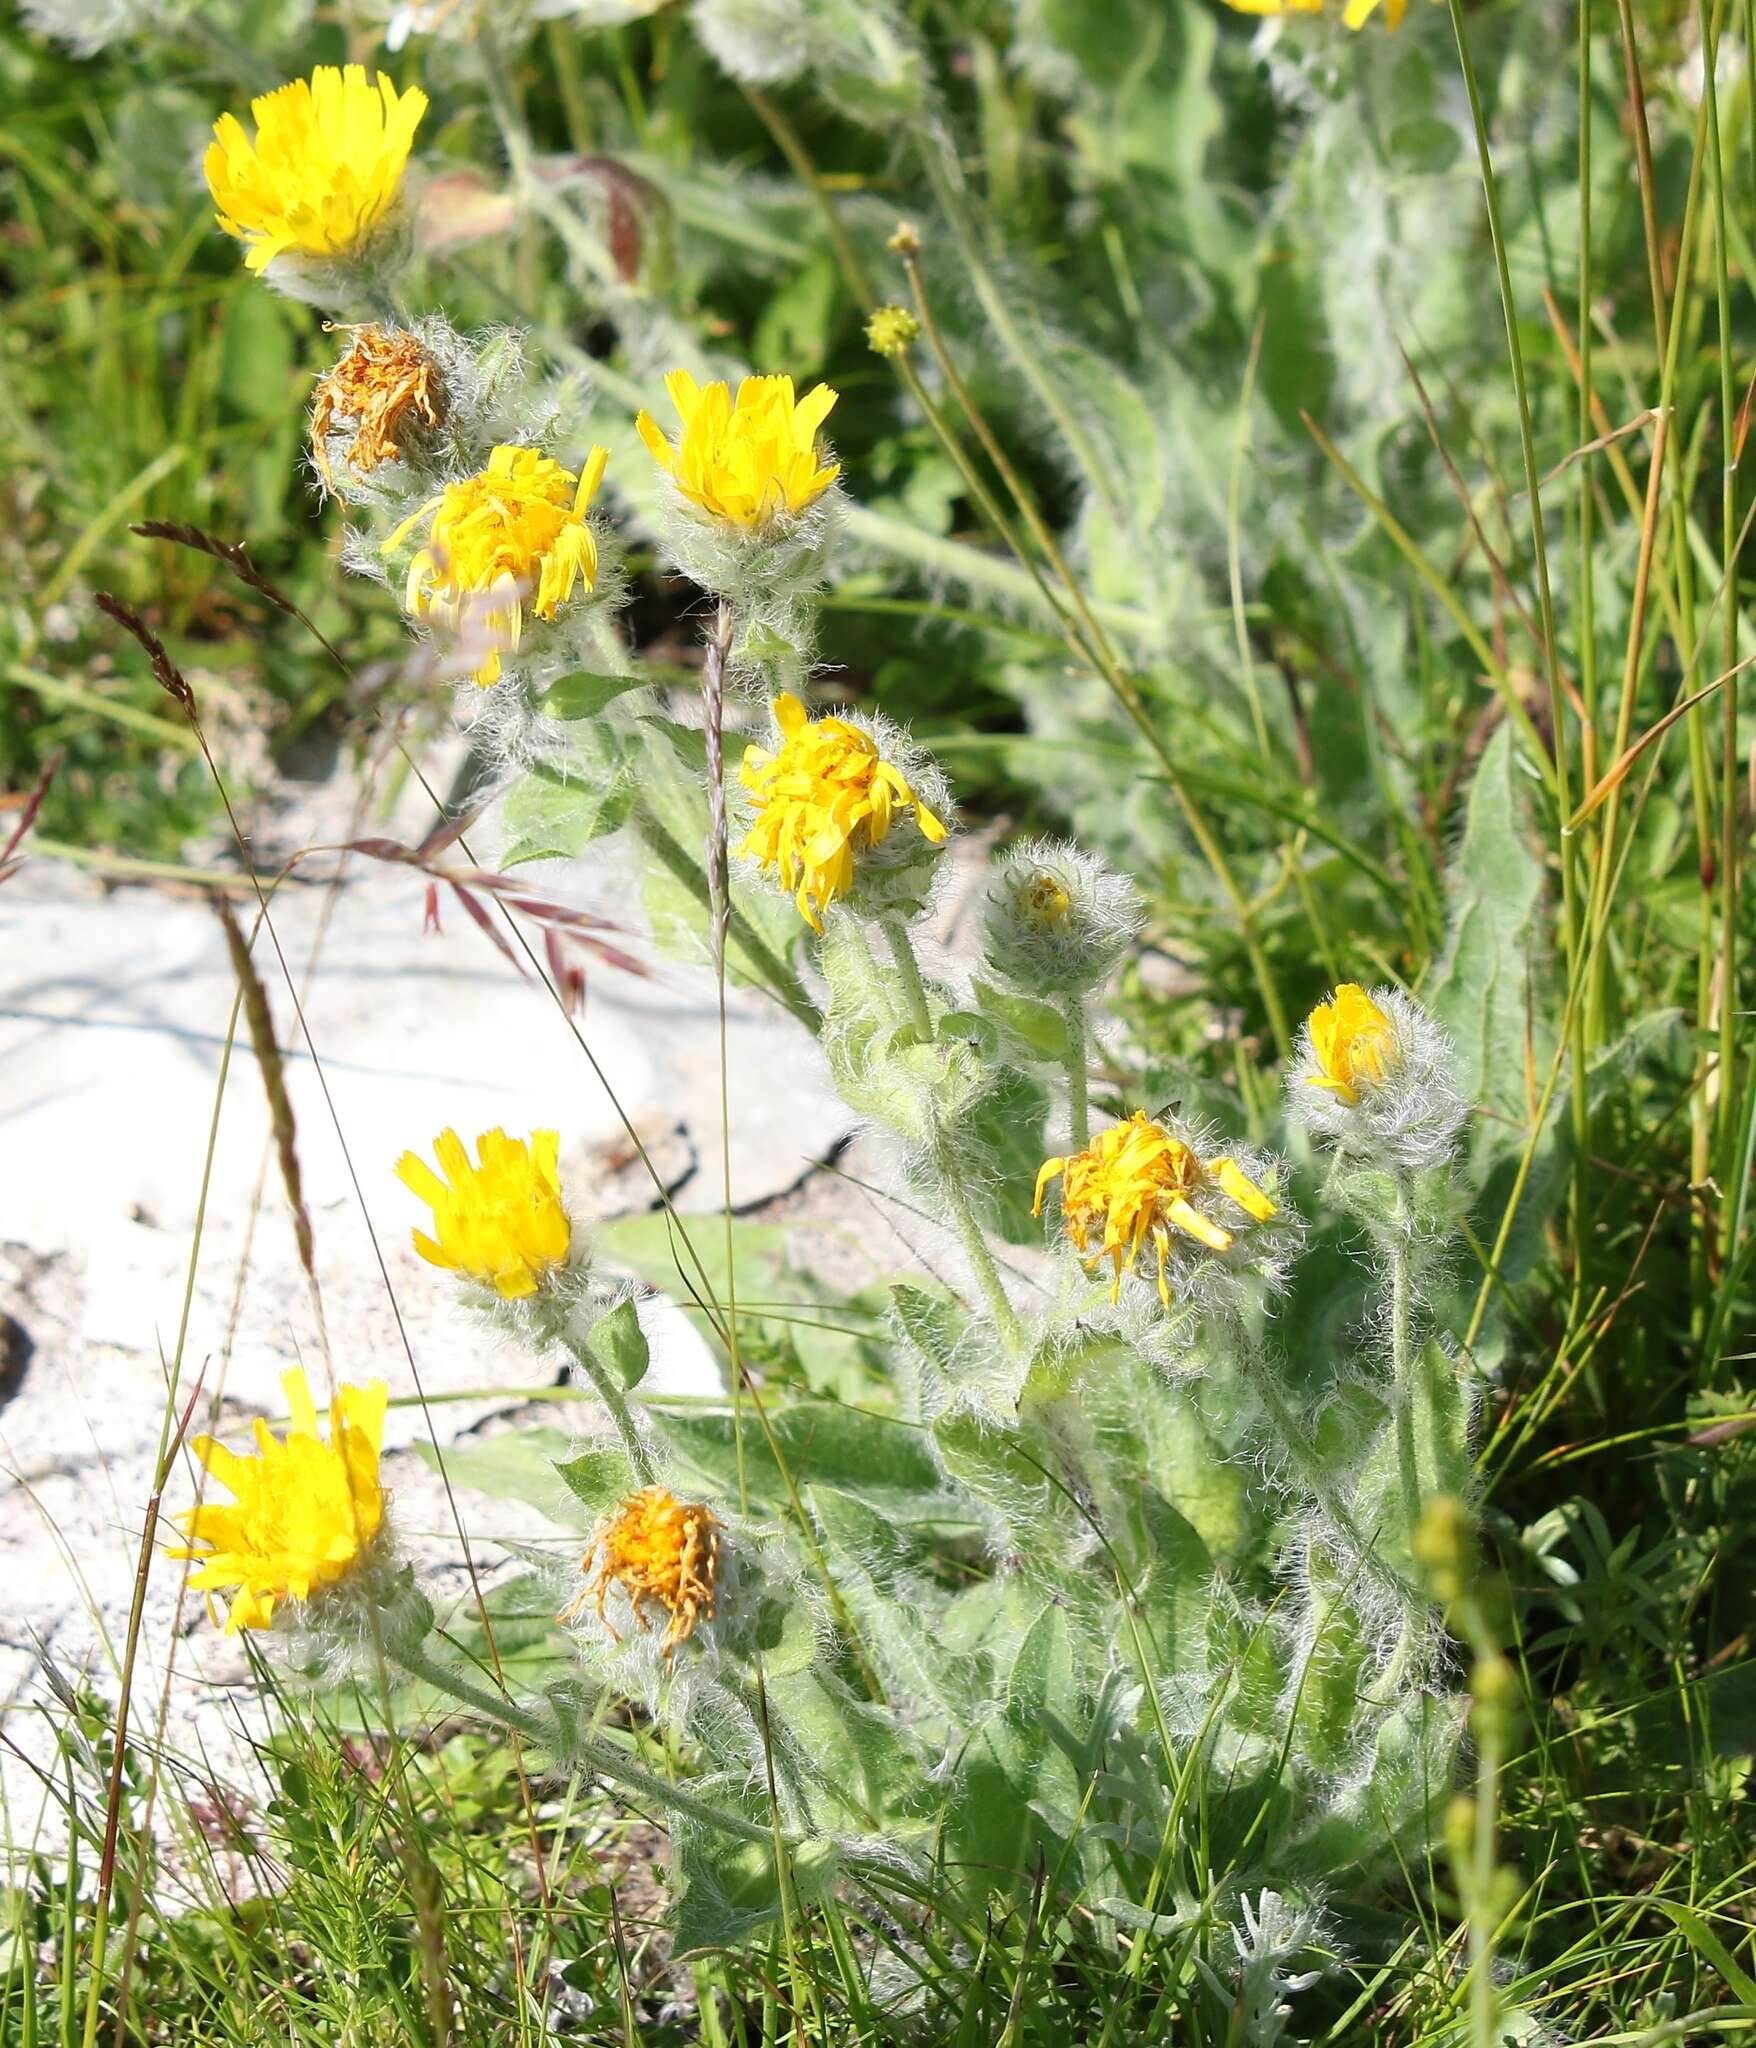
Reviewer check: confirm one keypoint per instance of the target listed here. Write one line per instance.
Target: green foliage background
(1202, 246)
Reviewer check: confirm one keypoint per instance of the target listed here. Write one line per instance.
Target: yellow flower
(304, 1511)
(824, 796)
(324, 166)
(1354, 15)
(1352, 1038)
(502, 1222)
(655, 1547)
(512, 539)
(385, 377)
(1136, 1181)
(1044, 901)
(745, 461)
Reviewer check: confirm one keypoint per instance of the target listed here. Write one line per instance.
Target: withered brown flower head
(655, 1547)
(385, 378)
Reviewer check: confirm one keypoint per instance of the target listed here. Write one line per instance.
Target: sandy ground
(113, 1016)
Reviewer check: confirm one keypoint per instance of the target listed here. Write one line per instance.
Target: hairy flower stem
(713, 707)
(948, 1172)
(615, 1400)
(1402, 1355)
(600, 1758)
(914, 989)
(1078, 1093)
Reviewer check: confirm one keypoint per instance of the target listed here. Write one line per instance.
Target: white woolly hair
(1075, 952)
(1407, 1121)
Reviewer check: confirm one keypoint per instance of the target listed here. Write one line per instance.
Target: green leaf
(933, 1323)
(730, 1889)
(1040, 1027)
(517, 1465)
(620, 1343)
(1479, 990)
(887, 1464)
(652, 1246)
(598, 1477)
(551, 816)
(1708, 1946)
(885, 1575)
(584, 695)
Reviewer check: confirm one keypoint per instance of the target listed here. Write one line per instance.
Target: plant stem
(1088, 640)
(601, 1758)
(913, 987)
(612, 1395)
(1402, 1355)
(1078, 1094)
(947, 1170)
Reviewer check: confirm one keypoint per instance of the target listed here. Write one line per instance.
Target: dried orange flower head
(656, 1548)
(1137, 1181)
(1353, 1040)
(508, 542)
(386, 382)
(303, 1511)
(502, 1222)
(824, 795)
(748, 459)
(322, 169)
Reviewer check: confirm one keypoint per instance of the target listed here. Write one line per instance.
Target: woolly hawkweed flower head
(1376, 1076)
(681, 1601)
(751, 489)
(377, 404)
(1058, 920)
(504, 547)
(844, 808)
(1142, 1183)
(658, 1552)
(501, 1223)
(314, 192)
(305, 1515)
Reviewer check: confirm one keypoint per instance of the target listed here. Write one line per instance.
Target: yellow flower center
(502, 1222)
(1353, 1041)
(304, 1511)
(322, 169)
(384, 378)
(824, 796)
(1136, 1181)
(657, 1548)
(1043, 901)
(512, 539)
(747, 460)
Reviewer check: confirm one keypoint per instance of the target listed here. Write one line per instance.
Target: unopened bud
(892, 330)
(906, 241)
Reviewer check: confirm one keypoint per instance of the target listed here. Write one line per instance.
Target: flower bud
(892, 331)
(1375, 1076)
(1058, 920)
